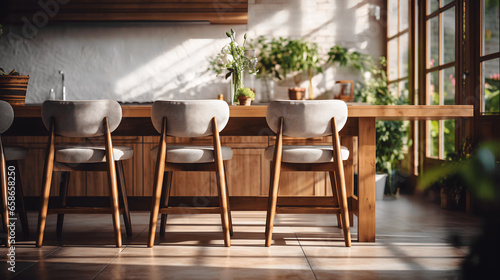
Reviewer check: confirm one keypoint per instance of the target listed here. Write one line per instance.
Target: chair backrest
(81, 118)
(6, 116)
(189, 118)
(306, 118)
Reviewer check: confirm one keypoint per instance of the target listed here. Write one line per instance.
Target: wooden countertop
(381, 112)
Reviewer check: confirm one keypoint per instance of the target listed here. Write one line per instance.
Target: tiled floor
(412, 243)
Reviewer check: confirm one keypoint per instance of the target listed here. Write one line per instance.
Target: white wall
(147, 61)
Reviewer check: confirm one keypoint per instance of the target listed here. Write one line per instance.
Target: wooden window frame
(398, 36)
(424, 70)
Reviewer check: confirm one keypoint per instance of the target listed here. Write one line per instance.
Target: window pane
(393, 89)
(392, 17)
(446, 2)
(433, 42)
(403, 91)
(448, 18)
(449, 137)
(432, 5)
(433, 138)
(392, 62)
(491, 85)
(403, 15)
(433, 88)
(491, 23)
(449, 86)
(403, 55)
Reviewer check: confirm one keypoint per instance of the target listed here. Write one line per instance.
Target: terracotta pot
(296, 93)
(246, 101)
(13, 89)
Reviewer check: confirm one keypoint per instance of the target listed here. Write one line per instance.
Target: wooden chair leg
(155, 207)
(221, 189)
(167, 185)
(20, 206)
(42, 216)
(63, 194)
(122, 191)
(113, 186)
(47, 180)
(344, 211)
(5, 210)
(228, 204)
(334, 184)
(272, 201)
(158, 184)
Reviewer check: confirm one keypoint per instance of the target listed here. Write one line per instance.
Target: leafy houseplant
(480, 175)
(343, 57)
(245, 96)
(232, 58)
(492, 93)
(452, 186)
(374, 90)
(13, 87)
(280, 57)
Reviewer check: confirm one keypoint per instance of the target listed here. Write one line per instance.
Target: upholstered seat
(90, 154)
(15, 153)
(193, 154)
(189, 118)
(306, 154)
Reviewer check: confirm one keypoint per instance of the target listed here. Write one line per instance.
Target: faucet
(63, 86)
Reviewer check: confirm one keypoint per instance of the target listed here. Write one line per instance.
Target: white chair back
(306, 118)
(6, 116)
(189, 118)
(81, 118)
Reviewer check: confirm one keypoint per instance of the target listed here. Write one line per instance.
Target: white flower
(226, 49)
(224, 59)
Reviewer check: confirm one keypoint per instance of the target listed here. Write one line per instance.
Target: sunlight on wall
(173, 74)
(142, 62)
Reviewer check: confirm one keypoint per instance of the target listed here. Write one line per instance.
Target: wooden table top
(381, 112)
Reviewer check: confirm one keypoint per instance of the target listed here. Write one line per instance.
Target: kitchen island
(248, 172)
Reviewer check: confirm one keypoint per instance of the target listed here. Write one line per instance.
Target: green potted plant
(451, 186)
(390, 134)
(373, 89)
(13, 87)
(245, 96)
(346, 58)
(480, 174)
(280, 58)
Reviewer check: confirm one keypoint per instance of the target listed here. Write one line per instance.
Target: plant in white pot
(390, 135)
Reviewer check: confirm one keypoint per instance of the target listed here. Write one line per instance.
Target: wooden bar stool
(189, 118)
(84, 119)
(10, 177)
(316, 118)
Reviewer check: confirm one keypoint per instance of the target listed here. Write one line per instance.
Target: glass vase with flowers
(233, 58)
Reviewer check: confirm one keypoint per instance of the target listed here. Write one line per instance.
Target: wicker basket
(13, 89)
